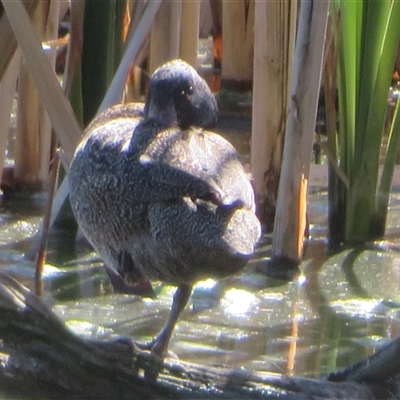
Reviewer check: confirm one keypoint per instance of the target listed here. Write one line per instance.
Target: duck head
(179, 96)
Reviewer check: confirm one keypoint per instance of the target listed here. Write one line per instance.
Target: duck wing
(194, 163)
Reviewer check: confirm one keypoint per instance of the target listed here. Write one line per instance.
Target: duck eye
(187, 91)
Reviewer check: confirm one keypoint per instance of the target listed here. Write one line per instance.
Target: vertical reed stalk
(47, 140)
(33, 138)
(64, 123)
(165, 36)
(7, 93)
(290, 217)
(190, 31)
(27, 142)
(114, 94)
(238, 42)
(72, 83)
(136, 38)
(274, 33)
(44, 234)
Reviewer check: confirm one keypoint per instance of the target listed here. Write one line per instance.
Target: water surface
(341, 308)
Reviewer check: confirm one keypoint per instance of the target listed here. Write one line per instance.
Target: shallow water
(339, 310)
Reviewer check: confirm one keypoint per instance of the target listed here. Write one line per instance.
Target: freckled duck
(161, 198)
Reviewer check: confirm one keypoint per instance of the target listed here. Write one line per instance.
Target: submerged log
(40, 356)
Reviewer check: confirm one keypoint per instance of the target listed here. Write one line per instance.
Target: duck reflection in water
(161, 198)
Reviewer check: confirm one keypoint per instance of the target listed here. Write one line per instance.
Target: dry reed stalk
(27, 141)
(133, 87)
(47, 140)
(8, 43)
(136, 38)
(60, 112)
(190, 31)
(34, 133)
(55, 14)
(237, 40)
(114, 95)
(165, 34)
(274, 34)
(177, 39)
(290, 217)
(41, 254)
(7, 93)
(72, 72)
(132, 90)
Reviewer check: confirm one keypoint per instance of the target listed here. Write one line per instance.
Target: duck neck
(164, 113)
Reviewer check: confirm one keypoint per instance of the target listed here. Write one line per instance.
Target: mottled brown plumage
(159, 197)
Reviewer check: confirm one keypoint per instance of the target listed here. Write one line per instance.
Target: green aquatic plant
(102, 51)
(367, 35)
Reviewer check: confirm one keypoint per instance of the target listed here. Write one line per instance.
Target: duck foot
(153, 365)
(149, 362)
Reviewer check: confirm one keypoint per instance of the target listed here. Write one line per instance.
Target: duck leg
(160, 344)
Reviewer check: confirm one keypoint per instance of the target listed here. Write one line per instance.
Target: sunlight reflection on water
(339, 308)
(238, 302)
